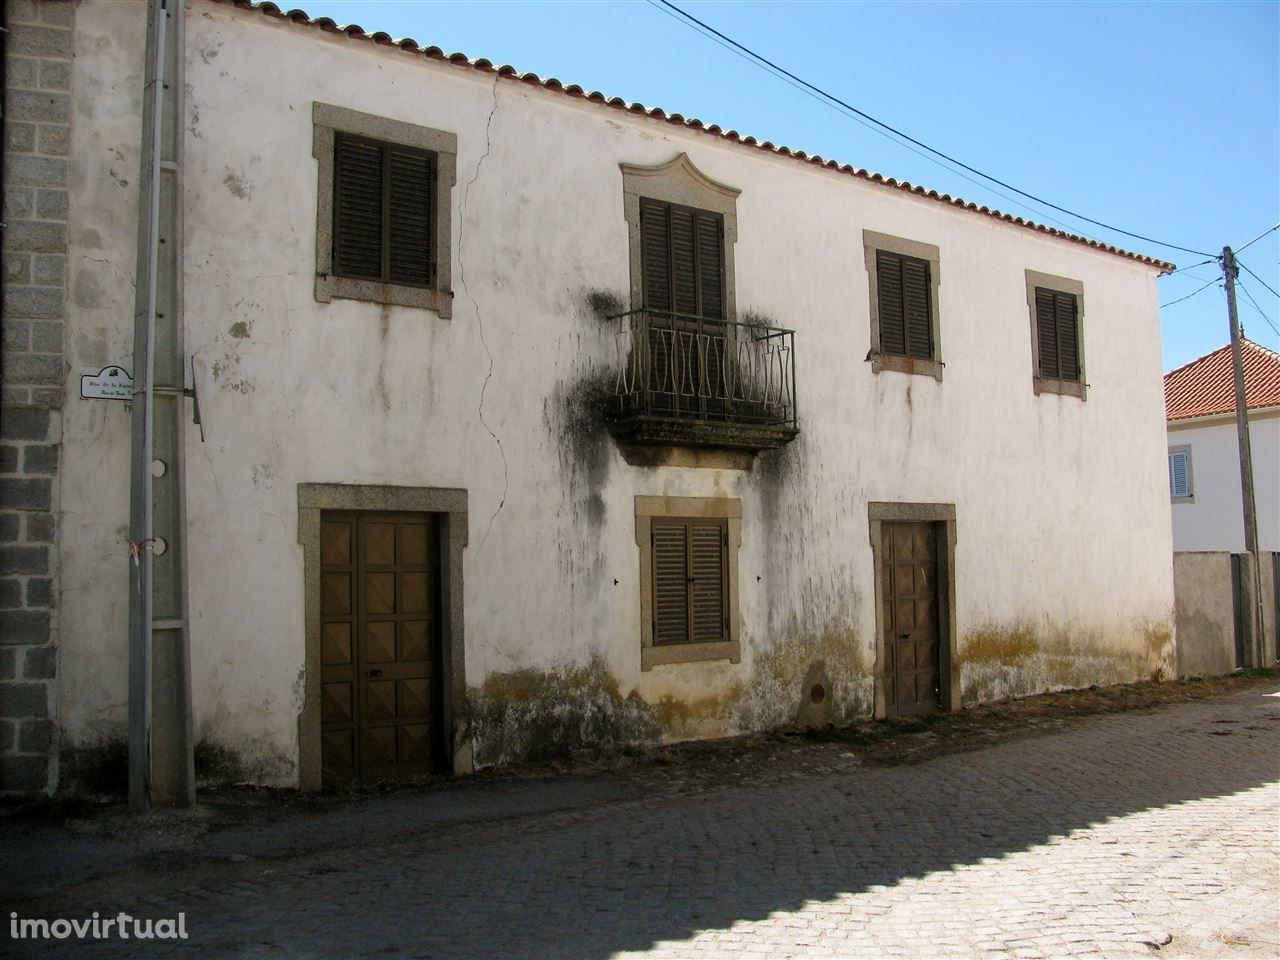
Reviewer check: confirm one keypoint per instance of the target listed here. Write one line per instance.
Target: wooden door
(380, 629)
(909, 584)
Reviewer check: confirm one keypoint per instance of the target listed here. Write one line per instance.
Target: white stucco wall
(1213, 518)
(1063, 555)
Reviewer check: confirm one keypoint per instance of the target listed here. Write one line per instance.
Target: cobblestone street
(1131, 834)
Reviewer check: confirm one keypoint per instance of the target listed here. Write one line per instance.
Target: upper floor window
(382, 231)
(904, 278)
(1057, 334)
(1180, 487)
(682, 258)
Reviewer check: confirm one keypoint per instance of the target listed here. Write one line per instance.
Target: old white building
(536, 420)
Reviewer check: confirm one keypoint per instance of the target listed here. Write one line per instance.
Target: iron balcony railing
(684, 367)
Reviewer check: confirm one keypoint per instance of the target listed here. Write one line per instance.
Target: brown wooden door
(379, 615)
(909, 580)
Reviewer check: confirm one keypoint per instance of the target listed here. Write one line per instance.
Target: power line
(1202, 263)
(880, 123)
(1259, 237)
(853, 115)
(1261, 313)
(1189, 295)
(1259, 279)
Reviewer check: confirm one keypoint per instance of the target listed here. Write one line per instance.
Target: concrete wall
(37, 139)
(1213, 519)
(1062, 560)
(1206, 605)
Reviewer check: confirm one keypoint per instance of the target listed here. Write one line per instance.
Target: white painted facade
(1062, 558)
(1213, 518)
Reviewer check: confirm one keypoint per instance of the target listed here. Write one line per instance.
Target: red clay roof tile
(1207, 386)
(435, 53)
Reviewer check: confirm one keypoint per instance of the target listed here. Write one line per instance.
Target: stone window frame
(1184, 448)
(678, 181)
(873, 241)
(328, 120)
(450, 505)
(1068, 388)
(726, 508)
(940, 515)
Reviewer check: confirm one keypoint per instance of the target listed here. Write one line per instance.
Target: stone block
(21, 71)
(46, 337)
(36, 41)
(22, 11)
(26, 494)
(36, 237)
(40, 663)
(14, 396)
(46, 397)
(20, 137)
(33, 368)
(24, 775)
(24, 700)
(25, 559)
(10, 594)
(59, 13)
(36, 171)
(40, 592)
(8, 729)
(38, 303)
(51, 204)
(55, 139)
(40, 527)
(30, 627)
(35, 736)
(55, 74)
(8, 458)
(40, 459)
(19, 203)
(50, 269)
(9, 524)
(24, 423)
(17, 269)
(17, 336)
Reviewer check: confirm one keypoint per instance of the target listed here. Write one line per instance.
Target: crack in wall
(462, 282)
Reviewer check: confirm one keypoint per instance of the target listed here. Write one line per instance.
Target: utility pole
(160, 738)
(1257, 652)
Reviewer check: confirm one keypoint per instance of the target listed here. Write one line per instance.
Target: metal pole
(1246, 458)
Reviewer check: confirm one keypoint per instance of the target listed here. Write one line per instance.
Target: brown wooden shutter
(918, 321)
(709, 581)
(655, 254)
(410, 178)
(1047, 333)
(357, 192)
(670, 582)
(710, 229)
(684, 261)
(893, 328)
(1068, 349)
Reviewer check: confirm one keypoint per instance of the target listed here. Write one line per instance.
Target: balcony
(696, 382)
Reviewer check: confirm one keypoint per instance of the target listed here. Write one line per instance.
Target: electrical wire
(837, 107)
(1261, 313)
(761, 60)
(1202, 263)
(1258, 278)
(1189, 295)
(1258, 237)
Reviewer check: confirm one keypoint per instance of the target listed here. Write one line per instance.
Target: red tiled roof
(1207, 386)
(380, 38)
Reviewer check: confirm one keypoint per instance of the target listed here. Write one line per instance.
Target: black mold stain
(604, 304)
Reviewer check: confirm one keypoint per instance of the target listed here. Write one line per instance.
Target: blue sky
(1159, 118)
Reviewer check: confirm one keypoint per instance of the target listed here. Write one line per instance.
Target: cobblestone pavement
(1125, 835)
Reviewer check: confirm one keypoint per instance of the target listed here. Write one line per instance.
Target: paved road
(1124, 835)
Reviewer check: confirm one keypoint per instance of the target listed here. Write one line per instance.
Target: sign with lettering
(110, 383)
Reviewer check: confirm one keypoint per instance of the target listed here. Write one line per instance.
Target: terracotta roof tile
(357, 32)
(1207, 386)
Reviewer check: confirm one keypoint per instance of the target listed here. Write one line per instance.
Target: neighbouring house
(533, 420)
(1220, 600)
(1204, 456)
